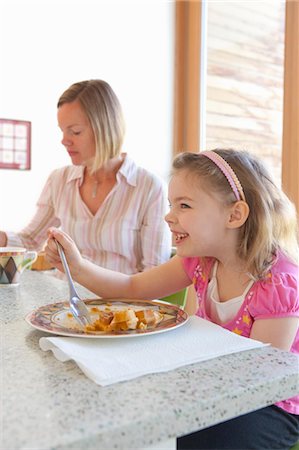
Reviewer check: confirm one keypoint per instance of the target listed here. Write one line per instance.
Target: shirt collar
(75, 172)
(128, 170)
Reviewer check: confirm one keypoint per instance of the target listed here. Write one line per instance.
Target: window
(244, 84)
(242, 91)
(15, 140)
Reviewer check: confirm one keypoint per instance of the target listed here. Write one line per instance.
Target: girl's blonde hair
(104, 112)
(271, 226)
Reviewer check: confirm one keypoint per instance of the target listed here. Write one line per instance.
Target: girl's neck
(232, 279)
(233, 265)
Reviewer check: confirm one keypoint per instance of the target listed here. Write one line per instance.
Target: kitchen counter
(47, 404)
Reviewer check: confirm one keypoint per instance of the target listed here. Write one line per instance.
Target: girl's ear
(238, 214)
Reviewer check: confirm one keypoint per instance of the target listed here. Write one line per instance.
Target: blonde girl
(236, 238)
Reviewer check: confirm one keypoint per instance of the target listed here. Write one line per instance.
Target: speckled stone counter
(46, 404)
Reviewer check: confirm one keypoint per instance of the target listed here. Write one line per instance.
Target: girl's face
(196, 219)
(77, 134)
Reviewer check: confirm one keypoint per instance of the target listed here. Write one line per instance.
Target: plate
(56, 318)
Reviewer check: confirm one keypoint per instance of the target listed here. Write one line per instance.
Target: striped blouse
(128, 232)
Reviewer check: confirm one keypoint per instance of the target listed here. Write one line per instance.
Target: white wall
(46, 45)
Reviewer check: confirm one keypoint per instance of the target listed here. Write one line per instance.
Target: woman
(112, 208)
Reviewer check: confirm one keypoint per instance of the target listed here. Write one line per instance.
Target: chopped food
(125, 319)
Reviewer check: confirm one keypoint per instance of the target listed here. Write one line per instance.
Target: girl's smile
(179, 237)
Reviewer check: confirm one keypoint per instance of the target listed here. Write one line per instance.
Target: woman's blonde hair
(104, 112)
(271, 226)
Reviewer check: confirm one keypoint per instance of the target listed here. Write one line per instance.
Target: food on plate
(125, 319)
(148, 317)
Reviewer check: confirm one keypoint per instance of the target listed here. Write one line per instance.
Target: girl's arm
(279, 332)
(158, 282)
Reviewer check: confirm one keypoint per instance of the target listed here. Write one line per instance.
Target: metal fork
(77, 306)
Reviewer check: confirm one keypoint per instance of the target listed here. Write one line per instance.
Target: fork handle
(66, 269)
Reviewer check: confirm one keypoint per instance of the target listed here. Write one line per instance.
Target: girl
(236, 239)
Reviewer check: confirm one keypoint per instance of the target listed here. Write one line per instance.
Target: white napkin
(108, 361)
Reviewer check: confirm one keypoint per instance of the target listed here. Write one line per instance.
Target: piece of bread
(149, 317)
(125, 319)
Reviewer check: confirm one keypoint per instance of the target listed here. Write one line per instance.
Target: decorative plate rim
(47, 317)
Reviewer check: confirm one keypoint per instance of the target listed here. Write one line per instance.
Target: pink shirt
(276, 296)
(128, 232)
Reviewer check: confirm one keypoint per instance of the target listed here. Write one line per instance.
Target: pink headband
(227, 172)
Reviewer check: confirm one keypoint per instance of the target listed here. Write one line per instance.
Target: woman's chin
(77, 161)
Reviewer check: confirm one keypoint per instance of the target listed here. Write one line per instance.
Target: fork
(77, 306)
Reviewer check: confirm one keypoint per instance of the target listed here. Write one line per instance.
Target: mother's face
(77, 134)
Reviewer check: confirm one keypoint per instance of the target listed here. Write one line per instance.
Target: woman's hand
(3, 239)
(71, 251)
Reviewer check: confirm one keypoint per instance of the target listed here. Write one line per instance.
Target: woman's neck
(96, 186)
(107, 172)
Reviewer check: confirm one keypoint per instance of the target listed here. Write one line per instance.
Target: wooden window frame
(186, 135)
(290, 141)
(187, 96)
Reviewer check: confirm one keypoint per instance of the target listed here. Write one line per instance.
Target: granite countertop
(47, 404)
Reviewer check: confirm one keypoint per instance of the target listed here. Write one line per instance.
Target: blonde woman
(111, 208)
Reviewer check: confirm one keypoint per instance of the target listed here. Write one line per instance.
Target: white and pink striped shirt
(128, 232)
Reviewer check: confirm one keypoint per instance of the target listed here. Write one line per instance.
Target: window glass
(244, 96)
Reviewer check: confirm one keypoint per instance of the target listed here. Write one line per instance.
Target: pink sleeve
(276, 297)
(189, 265)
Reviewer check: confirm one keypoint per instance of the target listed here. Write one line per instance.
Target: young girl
(236, 239)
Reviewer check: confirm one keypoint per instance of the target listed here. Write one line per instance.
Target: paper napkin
(108, 361)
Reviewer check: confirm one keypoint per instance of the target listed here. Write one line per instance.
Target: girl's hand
(71, 251)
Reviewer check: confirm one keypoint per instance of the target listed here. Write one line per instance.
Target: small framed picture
(15, 144)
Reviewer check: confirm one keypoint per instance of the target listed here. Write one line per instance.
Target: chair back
(178, 298)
